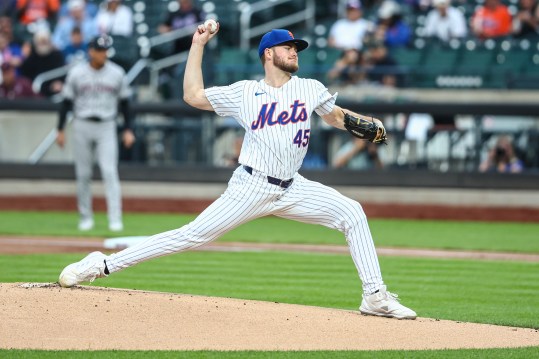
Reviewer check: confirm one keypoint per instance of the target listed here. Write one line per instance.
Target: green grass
(464, 290)
(491, 236)
(532, 352)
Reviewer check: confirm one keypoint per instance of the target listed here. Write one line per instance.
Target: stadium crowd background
(399, 51)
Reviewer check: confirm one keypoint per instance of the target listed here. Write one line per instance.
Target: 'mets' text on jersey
(267, 115)
(276, 120)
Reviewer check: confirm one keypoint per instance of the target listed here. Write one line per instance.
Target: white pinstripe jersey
(277, 121)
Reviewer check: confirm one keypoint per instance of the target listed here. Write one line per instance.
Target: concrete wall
(21, 133)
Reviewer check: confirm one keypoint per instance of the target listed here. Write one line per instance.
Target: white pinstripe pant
(251, 196)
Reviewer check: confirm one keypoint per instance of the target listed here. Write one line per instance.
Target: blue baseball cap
(277, 37)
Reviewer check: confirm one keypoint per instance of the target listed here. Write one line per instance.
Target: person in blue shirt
(391, 27)
(77, 49)
(77, 18)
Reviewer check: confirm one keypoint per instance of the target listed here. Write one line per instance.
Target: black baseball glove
(365, 129)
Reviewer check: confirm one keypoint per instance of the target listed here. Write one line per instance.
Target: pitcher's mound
(46, 316)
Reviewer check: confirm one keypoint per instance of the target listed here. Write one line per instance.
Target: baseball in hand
(210, 25)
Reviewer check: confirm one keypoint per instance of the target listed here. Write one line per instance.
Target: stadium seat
(231, 65)
(472, 67)
(529, 78)
(438, 61)
(308, 65)
(327, 57)
(409, 61)
(532, 67)
(126, 51)
(155, 12)
(474, 61)
(507, 66)
(409, 57)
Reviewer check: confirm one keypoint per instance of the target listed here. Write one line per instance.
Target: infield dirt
(46, 316)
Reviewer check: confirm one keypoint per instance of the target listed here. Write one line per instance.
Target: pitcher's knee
(355, 215)
(197, 236)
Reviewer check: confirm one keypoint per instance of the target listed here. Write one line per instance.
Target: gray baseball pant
(97, 139)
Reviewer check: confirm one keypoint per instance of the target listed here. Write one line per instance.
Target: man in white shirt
(445, 22)
(348, 33)
(114, 18)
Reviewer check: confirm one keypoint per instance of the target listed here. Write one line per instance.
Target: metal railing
(247, 32)
(132, 74)
(42, 148)
(147, 45)
(158, 65)
(49, 75)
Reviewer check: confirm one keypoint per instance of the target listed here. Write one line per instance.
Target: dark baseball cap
(277, 37)
(101, 42)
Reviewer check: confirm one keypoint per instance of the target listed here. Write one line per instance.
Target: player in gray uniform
(275, 113)
(96, 91)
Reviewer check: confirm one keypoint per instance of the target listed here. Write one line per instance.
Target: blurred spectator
(491, 20)
(43, 57)
(77, 18)
(7, 7)
(9, 53)
(77, 48)
(185, 16)
(114, 18)
(6, 28)
(379, 65)
(374, 64)
(391, 28)
(347, 69)
(445, 22)
(6, 25)
(90, 10)
(357, 154)
(29, 11)
(526, 20)
(502, 158)
(14, 86)
(348, 33)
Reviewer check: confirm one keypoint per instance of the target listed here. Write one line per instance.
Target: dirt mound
(46, 316)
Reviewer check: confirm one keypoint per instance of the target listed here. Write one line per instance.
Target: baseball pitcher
(276, 115)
